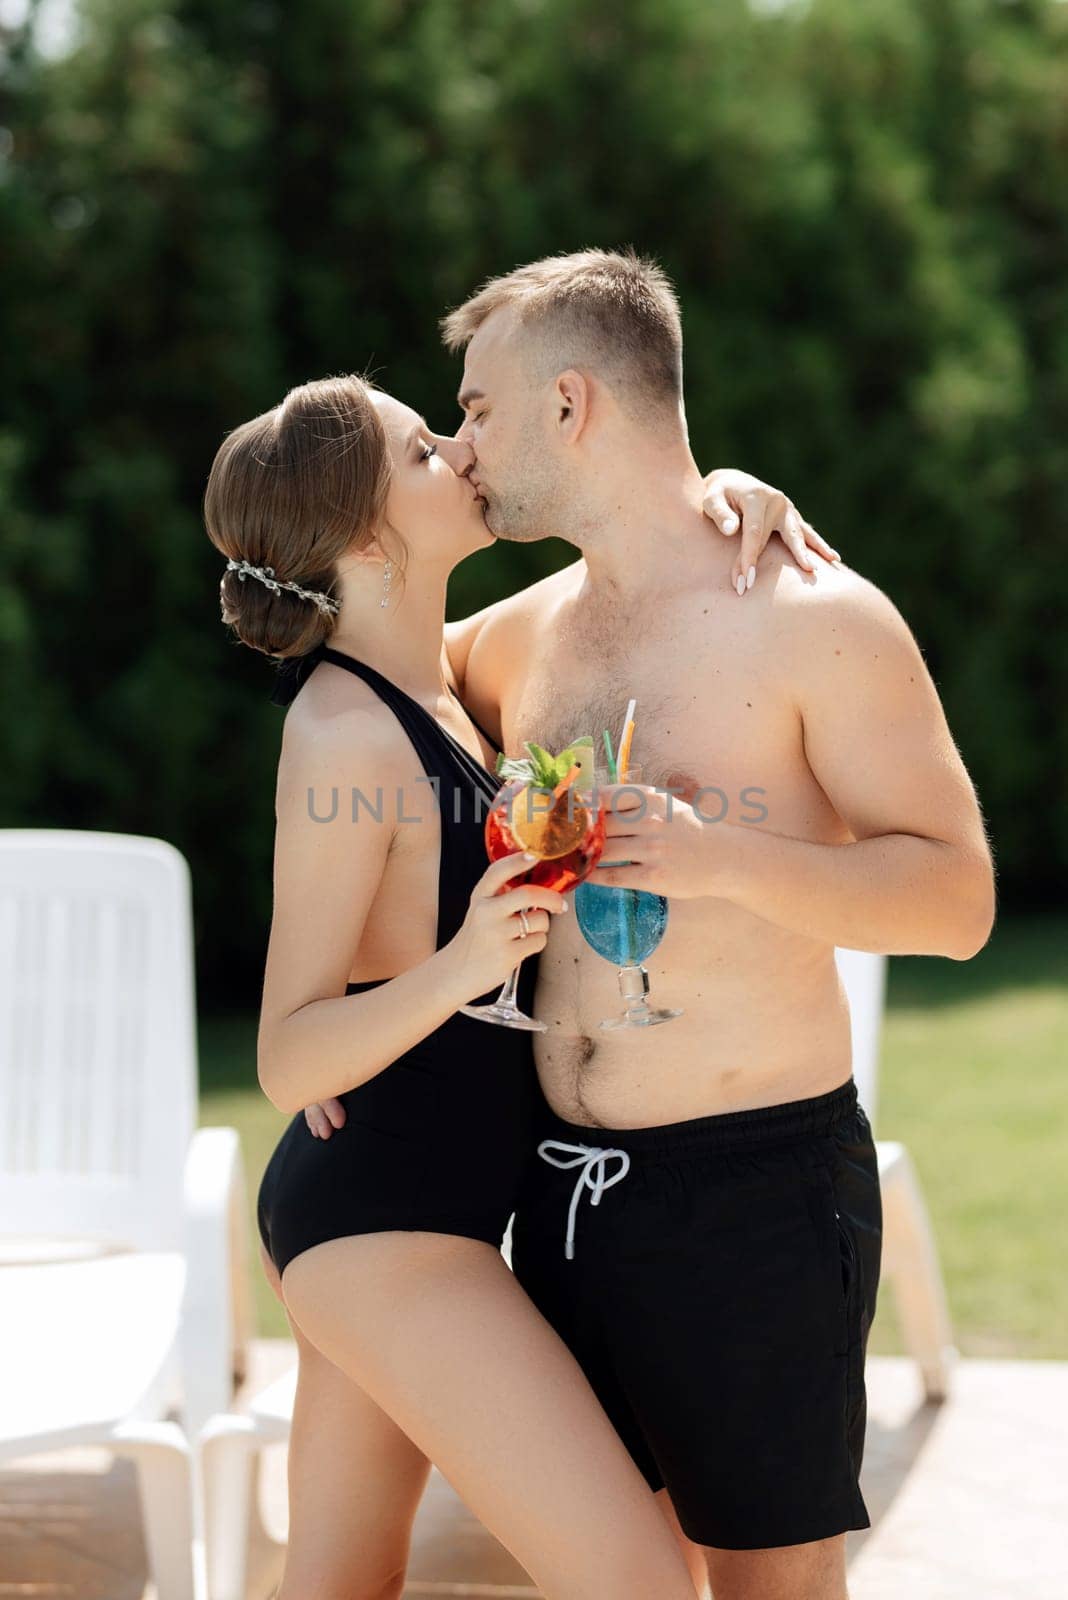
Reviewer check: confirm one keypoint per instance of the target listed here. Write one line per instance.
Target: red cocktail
(566, 832)
(563, 829)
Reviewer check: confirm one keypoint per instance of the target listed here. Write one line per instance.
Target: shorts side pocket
(850, 1264)
(856, 1327)
(838, 1262)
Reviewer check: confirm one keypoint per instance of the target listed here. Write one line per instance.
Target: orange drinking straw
(621, 758)
(565, 783)
(624, 751)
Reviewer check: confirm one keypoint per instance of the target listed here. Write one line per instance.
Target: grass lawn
(974, 1080)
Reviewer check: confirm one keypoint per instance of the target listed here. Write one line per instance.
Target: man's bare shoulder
(836, 609)
(539, 600)
(511, 624)
(838, 638)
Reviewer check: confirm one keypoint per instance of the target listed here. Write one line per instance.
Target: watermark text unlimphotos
(710, 804)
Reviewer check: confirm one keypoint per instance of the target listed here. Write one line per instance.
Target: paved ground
(969, 1501)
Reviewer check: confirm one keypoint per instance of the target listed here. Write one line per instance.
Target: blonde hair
(616, 313)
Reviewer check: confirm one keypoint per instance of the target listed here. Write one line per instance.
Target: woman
(382, 1242)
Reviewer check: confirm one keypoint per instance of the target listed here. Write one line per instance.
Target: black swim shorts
(716, 1280)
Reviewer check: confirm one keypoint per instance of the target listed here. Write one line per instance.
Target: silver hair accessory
(387, 580)
(266, 575)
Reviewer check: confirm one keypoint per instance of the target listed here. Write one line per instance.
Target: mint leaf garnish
(539, 767)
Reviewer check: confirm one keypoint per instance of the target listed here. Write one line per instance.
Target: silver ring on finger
(524, 924)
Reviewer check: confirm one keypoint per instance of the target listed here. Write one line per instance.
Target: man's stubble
(533, 496)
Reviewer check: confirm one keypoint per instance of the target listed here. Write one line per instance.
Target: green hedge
(202, 203)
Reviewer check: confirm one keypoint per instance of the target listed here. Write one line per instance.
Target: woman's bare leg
(437, 1331)
(355, 1482)
(694, 1555)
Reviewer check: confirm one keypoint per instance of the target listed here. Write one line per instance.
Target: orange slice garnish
(547, 824)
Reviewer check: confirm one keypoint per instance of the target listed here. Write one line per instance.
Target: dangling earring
(387, 580)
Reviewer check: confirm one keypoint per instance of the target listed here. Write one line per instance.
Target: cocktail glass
(625, 926)
(567, 835)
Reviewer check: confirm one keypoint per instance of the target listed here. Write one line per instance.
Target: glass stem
(507, 994)
(634, 986)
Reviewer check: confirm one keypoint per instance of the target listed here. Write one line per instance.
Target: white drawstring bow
(592, 1161)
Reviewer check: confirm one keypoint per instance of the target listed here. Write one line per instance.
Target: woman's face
(431, 502)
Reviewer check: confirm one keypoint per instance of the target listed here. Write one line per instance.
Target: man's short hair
(616, 313)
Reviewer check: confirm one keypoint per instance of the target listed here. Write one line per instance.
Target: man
(801, 791)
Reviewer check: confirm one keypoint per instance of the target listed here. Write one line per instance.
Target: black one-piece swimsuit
(440, 1139)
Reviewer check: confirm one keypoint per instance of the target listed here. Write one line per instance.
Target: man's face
(508, 423)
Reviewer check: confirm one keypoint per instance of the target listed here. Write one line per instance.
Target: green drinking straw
(612, 773)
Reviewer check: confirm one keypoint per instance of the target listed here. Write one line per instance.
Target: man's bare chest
(705, 717)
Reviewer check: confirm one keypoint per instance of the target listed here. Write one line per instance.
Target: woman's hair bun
(278, 623)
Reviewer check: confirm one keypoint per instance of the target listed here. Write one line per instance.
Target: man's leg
(733, 1304)
(792, 1572)
(719, 1302)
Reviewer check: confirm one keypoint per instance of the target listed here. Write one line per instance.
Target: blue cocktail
(625, 927)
